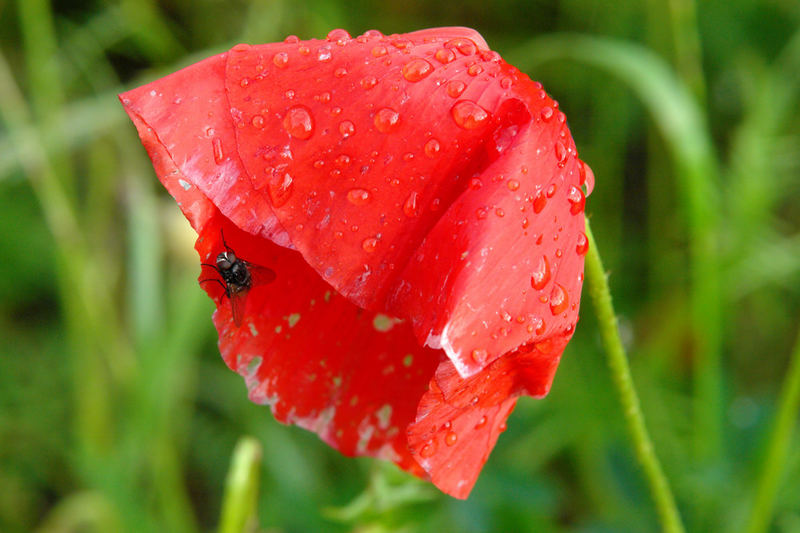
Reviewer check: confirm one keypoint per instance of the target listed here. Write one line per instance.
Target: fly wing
(260, 275)
(238, 299)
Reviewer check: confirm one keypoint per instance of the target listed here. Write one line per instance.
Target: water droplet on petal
(551, 190)
(583, 244)
(244, 82)
(432, 148)
(469, 115)
(512, 185)
(417, 69)
(338, 35)
(455, 88)
(561, 153)
(541, 274)
(451, 438)
(340, 72)
(347, 128)
(462, 44)
(546, 113)
(428, 450)
(298, 122)
(219, 155)
(292, 39)
(386, 120)
(324, 54)
(559, 301)
(411, 207)
(444, 55)
(576, 200)
(481, 423)
(280, 188)
(479, 356)
(539, 202)
(369, 244)
(474, 70)
(358, 196)
(587, 177)
(281, 59)
(257, 121)
(369, 82)
(379, 51)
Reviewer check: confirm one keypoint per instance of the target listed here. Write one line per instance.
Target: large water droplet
(583, 244)
(444, 55)
(451, 438)
(369, 244)
(280, 188)
(539, 202)
(386, 120)
(587, 177)
(358, 196)
(455, 88)
(428, 450)
(559, 301)
(576, 200)
(462, 44)
(411, 207)
(561, 153)
(417, 69)
(432, 148)
(546, 113)
(469, 115)
(298, 122)
(338, 35)
(281, 59)
(347, 128)
(541, 274)
(512, 185)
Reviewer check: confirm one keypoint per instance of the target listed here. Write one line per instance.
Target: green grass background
(117, 414)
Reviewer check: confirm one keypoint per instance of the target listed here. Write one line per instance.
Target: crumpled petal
(415, 176)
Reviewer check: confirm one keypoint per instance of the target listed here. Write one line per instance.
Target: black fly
(238, 277)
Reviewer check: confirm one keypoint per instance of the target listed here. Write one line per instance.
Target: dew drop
(546, 113)
(512, 185)
(369, 82)
(444, 55)
(303, 50)
(587, 177)
(583, 244)
(386, 120)
(462, 44)
(428, 450)
(559, 301)
(324, 54)
(340, 72)
(411, 207)
(358, 196)
(451, 438)
(480, 213)
(577, 201)
(432, 148)
(539, 202)
(280, 188)
(416, 70)
(474, 70)
(541, 274)
(506, 83)
(561, 153)
(479, 356)
(281, 59)
(244, 82)
(481, 423)
(475, 184)
(338, 35)
(469, 115)
(298, 122)
(369, 244)
(379, 51)
(292, 39)
(551, 190)
(219, 155)
(347, 128)
(455, 88)
(257, 121)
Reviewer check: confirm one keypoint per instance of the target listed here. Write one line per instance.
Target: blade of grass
(600, 294)
(241, 487)
(777, 449)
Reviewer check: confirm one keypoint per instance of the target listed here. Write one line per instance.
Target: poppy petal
(459, 420)
(352, 376)
(184, 122)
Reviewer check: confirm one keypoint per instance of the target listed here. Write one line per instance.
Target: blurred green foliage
(116, 412)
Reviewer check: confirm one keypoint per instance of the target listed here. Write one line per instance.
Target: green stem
(241, 487)
(777, 447)
(621, 374)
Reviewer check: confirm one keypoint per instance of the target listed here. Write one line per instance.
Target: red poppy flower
(419, 205)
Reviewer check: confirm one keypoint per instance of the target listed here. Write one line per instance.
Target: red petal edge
(413, 175)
